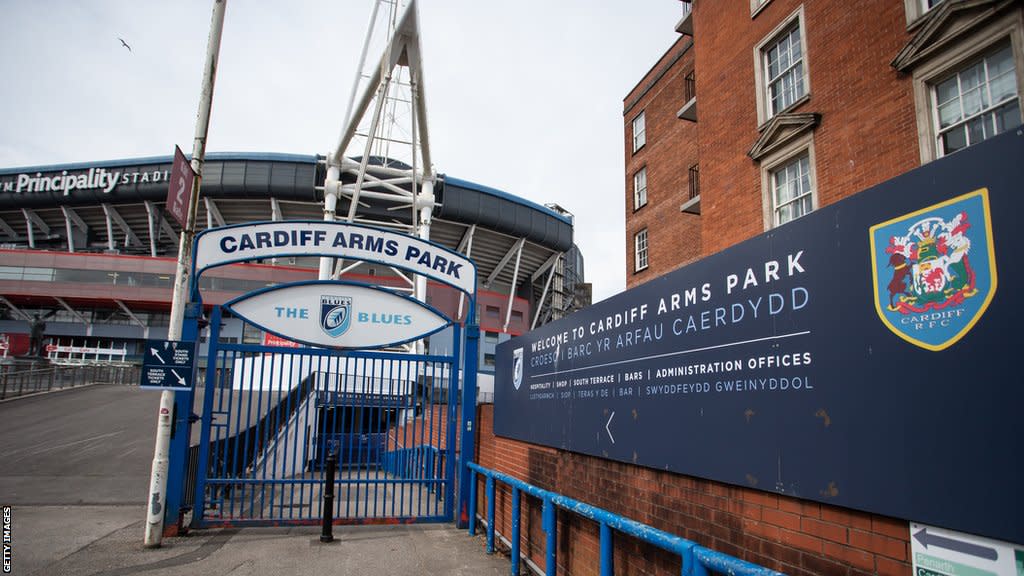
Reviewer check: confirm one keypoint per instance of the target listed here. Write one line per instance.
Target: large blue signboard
(862, 356)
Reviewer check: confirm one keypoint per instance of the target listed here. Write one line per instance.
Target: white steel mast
(382, 156)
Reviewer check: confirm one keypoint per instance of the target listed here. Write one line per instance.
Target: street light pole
(158, 476)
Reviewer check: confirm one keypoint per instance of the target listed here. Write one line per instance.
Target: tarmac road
(87, 445)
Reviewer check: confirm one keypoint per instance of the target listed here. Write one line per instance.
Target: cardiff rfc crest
(335, 314)
(517, 367)
(935, 270)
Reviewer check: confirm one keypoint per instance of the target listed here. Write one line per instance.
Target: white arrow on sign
(181, 380)
(157, 355)
(607, 427)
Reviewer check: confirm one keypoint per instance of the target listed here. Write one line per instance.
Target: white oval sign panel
(338, 314)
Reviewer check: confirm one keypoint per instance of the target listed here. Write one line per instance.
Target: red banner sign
(275, 340)
(180, 190)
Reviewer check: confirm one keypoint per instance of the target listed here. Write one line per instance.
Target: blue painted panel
(769, 365)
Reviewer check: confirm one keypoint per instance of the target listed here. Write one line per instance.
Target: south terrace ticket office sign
(864, 355)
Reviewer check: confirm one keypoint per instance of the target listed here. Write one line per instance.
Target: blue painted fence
(696, 559)
(414, 463)
(271, 416)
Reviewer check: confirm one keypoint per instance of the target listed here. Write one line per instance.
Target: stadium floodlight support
(157, 495)
(17, 311)
(553, 264)
(72, 220)
(383, 152)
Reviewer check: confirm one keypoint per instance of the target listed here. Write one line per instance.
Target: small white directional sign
(168, 365)
(940, 552)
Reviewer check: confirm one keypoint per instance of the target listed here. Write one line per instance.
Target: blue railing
(696, 560)
(416, 463)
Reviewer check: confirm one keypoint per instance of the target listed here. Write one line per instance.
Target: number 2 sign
(180, 189)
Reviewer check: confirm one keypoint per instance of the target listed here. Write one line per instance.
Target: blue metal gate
(271, 416)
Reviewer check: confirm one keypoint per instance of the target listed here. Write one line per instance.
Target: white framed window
(784, 71)
(640, 250)
(915, 9)
(792, 193)
(640, 189)
(788, 182)
(756, 6)
(639, 132)
(781, 68)
(967, 88)
(976, 102)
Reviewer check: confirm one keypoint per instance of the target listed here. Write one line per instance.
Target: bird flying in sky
(125, 44)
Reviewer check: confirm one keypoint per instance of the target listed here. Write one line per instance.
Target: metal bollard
(327, 534)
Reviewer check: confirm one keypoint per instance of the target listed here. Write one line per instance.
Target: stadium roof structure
(117, 206)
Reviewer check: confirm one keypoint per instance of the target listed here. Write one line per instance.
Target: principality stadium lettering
(93, 179)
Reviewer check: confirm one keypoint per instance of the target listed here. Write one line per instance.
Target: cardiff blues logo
(935, 270)
(335, 314)
(517, 367)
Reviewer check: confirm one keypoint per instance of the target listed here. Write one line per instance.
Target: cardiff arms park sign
(862, 355)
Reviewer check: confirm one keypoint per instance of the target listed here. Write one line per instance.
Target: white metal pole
(158, 475)
(425, 202)
(332, 188)
(359, 73)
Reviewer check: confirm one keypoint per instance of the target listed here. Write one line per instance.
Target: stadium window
(251, 334)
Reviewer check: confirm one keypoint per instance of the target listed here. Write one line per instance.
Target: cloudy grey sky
(524, 96)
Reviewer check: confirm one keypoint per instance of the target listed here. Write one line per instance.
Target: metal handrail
(696, 559)
(18, 380)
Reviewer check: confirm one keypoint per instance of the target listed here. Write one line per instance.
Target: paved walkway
(74, 469)
(107, 541)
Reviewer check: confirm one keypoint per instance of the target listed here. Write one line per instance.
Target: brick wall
(868, 130)
(673, 237)
(797, 537)
(428, 429)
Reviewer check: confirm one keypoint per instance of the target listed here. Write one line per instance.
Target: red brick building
(800, 104)
(662, 174)
(793, 105)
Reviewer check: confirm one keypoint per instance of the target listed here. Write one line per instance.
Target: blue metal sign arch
(271, 413)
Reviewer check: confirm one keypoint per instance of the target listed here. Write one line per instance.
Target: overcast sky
(524, 96)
